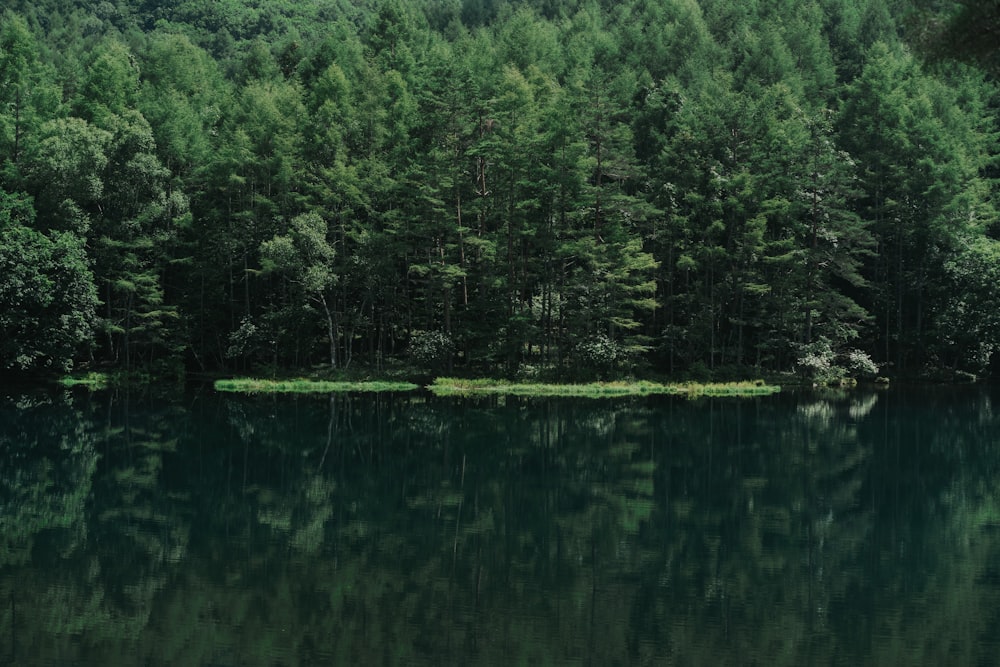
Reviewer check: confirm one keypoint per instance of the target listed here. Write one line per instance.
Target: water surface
(201, 529)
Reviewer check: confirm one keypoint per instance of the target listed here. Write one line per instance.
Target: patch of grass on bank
(142, 379)
(259, 386)
(92, 380)
(463, 387)
(751, 388)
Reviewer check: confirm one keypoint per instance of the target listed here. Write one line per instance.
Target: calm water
(858, 528)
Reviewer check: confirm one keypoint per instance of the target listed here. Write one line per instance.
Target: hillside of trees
(564, 188)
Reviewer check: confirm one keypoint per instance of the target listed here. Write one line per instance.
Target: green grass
(751, 388)
(259, 386)
(462, 387)
(92, 380)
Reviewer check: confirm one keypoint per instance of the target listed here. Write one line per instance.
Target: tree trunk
(331, 330)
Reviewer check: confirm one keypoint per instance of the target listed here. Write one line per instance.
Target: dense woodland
(558, 188)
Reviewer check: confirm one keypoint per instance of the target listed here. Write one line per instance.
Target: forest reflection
(840, 528)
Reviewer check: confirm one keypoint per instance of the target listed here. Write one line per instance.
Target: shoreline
(491, 387)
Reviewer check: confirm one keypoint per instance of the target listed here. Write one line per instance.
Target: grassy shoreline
(463, 387)
(92, 380)
(486, 386)
(303, 386)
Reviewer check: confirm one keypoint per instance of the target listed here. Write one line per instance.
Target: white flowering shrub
(431, 348)
(859, 364)
(601, 354)
(817, 362)
(820, 362)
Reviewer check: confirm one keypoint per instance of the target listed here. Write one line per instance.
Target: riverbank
(488, 386)
(304, 386)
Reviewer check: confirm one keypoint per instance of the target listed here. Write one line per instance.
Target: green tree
(183, 96)
(921, 156)
(968, 323)
(134, 242)
(709, 166)
(252, 182)
(834, 240)
(611, 285)
(47, 294)
(65, 172)
(304, 257)
(28, 95)
(965, 29)
(111, 84)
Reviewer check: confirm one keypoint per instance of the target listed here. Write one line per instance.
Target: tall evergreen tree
(922, 189)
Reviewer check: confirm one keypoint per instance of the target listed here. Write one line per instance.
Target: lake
(840, 528)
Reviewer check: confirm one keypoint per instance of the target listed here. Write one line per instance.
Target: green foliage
(111, 84)
(590, 189)
(431, 349)
(824, 365)
(47, 295)
(969, 325)
(965, 30)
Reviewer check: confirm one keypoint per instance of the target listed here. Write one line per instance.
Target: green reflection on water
(855, 528)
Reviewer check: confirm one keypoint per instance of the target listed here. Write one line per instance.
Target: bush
(821, 363)
(431, 349)
(600, 354)
(860, 364)
(817, 362)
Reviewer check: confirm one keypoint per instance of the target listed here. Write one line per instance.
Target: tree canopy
(574, 188)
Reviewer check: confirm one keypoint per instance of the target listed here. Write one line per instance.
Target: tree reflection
(46, 464)
(82, 506)
(384, 529)
(758, 510)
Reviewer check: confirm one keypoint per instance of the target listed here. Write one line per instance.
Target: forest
(528, 188)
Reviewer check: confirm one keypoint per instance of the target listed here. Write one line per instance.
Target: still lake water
(843, 528)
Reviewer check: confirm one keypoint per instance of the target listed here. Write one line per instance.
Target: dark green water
(859, 528)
